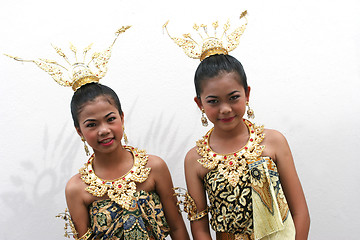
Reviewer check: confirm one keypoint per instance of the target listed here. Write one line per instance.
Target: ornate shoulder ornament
(232, 165)
(119, 190)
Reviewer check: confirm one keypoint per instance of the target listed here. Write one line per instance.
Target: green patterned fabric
(144, 220)
(255, 208)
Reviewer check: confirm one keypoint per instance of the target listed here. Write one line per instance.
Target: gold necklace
(119, 190)
(232, 165)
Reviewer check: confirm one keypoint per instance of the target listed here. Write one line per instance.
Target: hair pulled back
(213, 66)
(88, 93)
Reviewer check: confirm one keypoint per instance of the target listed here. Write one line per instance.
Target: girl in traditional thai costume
(246, 170)
(121, 192)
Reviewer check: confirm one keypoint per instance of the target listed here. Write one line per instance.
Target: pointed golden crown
(210, 45)
(79, 73)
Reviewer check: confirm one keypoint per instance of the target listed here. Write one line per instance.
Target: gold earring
(250, 112)
(85, 147)
(125, 137)
(204, 120)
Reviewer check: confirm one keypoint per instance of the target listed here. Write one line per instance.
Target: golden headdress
(79, 72)
(210, 45)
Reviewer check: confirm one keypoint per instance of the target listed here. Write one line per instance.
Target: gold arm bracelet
(196, 216)
(85, 236)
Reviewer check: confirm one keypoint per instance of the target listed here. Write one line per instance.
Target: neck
(240, 130)
(110, 159)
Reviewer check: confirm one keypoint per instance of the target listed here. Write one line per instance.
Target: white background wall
(301, 58)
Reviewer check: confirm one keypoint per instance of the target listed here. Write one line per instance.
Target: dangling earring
(204, 120)
(85, 147)
(250, 112)
(125, 137)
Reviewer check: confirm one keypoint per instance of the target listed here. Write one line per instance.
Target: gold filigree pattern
(209, 45)
(232, 165)
(77, 73)
(120, 190)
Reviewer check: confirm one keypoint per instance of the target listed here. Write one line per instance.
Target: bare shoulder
(275, 144)
(273, 135)
(156, 163)
(75, 191)
(74, 185)
(192, 155)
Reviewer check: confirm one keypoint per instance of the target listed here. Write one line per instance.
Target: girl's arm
(194, 173)
(291, 184)
(77, 208)
(164, 187)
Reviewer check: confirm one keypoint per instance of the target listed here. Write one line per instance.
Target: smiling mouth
(107, 141)
(227, 119)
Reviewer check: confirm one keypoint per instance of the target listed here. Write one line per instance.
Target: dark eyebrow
(89, 120)
(108, 114)
(93, 120)
(236, 91)
(233, 92)
(211, 97)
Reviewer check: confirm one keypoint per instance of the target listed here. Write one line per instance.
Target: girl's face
(224, 100)
(101, 125)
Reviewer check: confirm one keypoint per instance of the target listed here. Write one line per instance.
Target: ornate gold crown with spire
(210, 45)
(79, 72)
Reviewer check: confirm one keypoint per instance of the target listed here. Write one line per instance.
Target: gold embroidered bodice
(244, 189)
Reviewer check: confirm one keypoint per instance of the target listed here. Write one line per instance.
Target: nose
(103, 130)
(225, 108)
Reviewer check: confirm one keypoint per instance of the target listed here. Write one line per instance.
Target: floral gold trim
(119, 190)
(232, 165)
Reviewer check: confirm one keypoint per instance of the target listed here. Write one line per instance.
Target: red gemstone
(214, 155)
(103, 182)
(251, 140)
(119, 186)
(230, 162)
(136, 155)
(90, 170)
(123, 178)
(246, 148)
(208, 149)
(235, 154)
(225, 157)
(132, 171)
(252, 131)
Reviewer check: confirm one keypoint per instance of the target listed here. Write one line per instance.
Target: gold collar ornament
(119, 190)
(232, 165)
(78, 73)
(210, 45)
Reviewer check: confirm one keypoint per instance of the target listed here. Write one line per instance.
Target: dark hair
(88, 93)
(216, 64)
